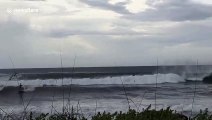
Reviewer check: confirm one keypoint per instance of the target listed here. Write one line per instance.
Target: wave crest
(144, 79)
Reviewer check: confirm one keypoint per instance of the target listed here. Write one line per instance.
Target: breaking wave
(144, 79)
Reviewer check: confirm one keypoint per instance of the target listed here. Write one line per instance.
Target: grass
(146, 114)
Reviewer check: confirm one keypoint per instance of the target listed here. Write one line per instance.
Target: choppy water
(106, 94)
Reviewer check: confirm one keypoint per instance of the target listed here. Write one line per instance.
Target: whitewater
(106, 93)
(144, 79)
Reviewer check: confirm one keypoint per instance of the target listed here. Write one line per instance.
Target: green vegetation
(146, 114)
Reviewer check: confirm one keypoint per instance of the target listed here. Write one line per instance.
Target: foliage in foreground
(147, 114)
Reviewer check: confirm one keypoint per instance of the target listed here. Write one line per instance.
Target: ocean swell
(144, 79)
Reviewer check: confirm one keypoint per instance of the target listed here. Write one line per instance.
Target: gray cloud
(30, 49)
(35, 42)
(174, 10)
(59, 33)
(103, 4)
(167, 10)
(23, 44)
(88, 27)
(13, 34)
(198, 33)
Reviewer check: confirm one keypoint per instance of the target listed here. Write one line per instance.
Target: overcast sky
(105, 32)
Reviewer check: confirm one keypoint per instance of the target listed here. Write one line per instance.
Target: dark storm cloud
(103, 4)
(174, 10)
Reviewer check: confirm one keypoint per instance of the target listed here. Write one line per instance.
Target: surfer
(21, 92)
(21, 89)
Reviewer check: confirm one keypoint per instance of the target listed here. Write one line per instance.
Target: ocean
(107, 89)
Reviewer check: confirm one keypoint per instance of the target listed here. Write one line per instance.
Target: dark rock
(208, 79)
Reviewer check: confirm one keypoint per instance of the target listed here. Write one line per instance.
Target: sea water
(108, 94)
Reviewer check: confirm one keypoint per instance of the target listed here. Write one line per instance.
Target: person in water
(21, 92)
(21, 89)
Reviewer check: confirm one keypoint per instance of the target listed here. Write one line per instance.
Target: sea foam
(138, 79)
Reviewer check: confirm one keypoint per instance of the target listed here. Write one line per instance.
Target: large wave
(144, 79)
